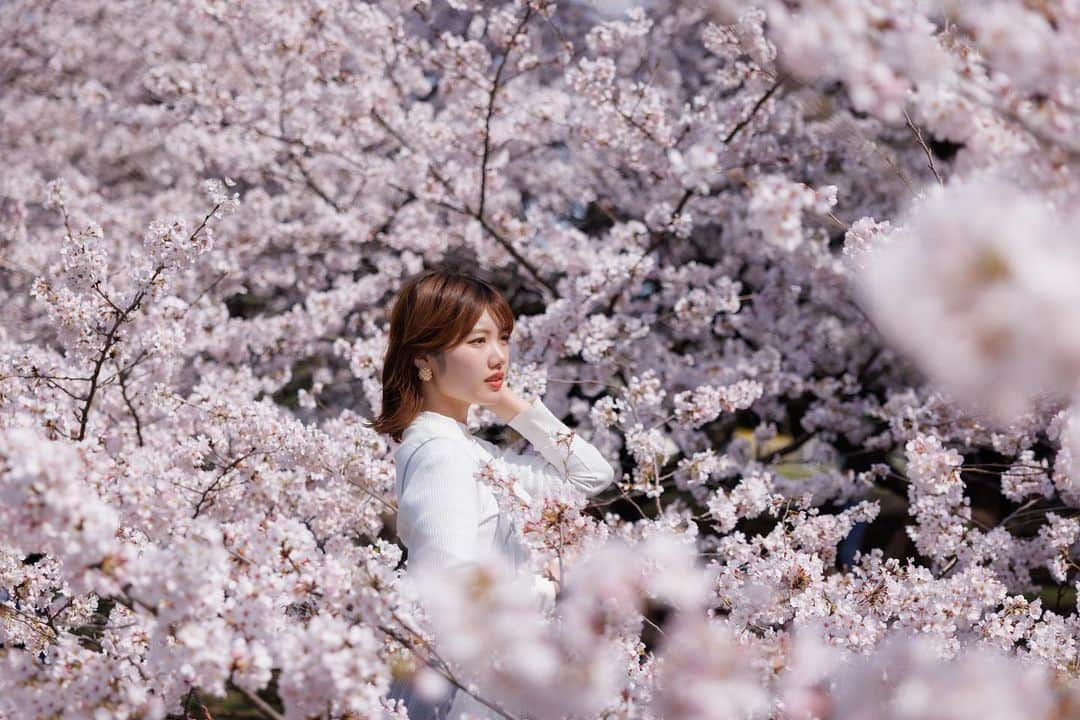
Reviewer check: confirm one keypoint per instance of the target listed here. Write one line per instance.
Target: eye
(477, 340)
(506, 338)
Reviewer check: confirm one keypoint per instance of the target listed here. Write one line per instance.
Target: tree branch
(122, 316)
(261, 705)
(130, 405)
(925, 147)
(506, 244)
(491, 109)
(753, 111)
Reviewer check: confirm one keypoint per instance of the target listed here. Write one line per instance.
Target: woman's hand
(506, 404)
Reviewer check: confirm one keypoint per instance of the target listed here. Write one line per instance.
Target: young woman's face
(461, 373)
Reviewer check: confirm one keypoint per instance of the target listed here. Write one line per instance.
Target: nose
(499, 357)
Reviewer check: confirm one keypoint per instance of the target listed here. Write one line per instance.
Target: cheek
(462, 361)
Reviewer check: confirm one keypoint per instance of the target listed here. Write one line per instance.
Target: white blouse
(446, 517)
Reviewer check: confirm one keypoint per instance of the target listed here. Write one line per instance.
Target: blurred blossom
(991, 270)
(907, 679)
(732, 234)
(706, 674)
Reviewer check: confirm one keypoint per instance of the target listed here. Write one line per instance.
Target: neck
(455, 409)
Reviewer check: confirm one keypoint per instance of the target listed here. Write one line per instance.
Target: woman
(449, 348)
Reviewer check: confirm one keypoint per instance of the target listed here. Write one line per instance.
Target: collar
(432, 424)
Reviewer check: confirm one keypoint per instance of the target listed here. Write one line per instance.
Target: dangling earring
(425, 374)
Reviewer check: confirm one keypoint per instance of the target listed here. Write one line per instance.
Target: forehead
(486, 322)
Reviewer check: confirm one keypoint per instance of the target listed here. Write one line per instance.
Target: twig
(131, 407)
(261, 705)
(753, 111)
(314, 186)
(925, 147)
(443, 669)
(507, 245)
(205, 290)
(491, 109)
(205, 495)
(660, 237)
(121, 318)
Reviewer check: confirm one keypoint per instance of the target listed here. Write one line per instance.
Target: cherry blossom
(803, 272)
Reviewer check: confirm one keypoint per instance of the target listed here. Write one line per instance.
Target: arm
(577, 462)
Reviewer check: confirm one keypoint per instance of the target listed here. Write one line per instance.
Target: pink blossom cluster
(803, 272)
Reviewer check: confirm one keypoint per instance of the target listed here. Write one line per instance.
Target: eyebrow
(485, 331)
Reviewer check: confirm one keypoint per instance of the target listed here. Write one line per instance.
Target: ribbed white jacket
(446, 517)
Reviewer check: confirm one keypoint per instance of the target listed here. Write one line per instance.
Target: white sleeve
(439, 505)
(577, 462)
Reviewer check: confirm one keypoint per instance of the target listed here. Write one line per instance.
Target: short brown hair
(433, 311)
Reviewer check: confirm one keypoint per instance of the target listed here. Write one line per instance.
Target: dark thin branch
(868, 362)
(753, 111)
(517, 256)
(261, 705)
(126, 370)
(110, 338)
(205, 498)
(320, 542)
(130, 406)
(443, 669)
(108, 301)
(205, 290)
(659, 237)
(628, 117)
(925, 147)
(491, 109)
(52, 383)
(314, 186)
(34, 374)
(67, 220)
(506, 244)
(389, 222)
(654, 243)
(129, 601)
(193, 697)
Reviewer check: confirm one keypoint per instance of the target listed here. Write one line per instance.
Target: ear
(421, 360)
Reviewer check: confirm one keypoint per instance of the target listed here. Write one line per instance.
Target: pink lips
(495, 381)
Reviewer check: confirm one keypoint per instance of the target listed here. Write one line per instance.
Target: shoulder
(436, 468)
(438, 445)
(421, 434)
(437, 450)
